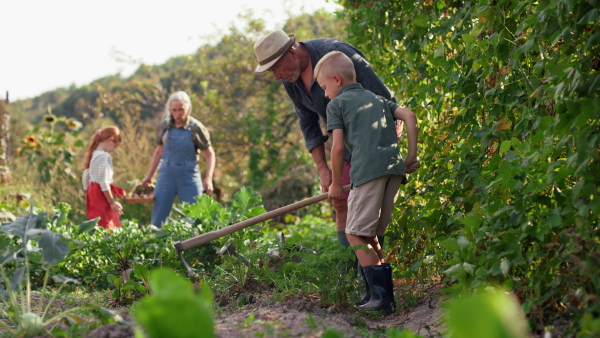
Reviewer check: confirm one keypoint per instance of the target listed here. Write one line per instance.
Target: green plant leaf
(505, 267)
(455, 270)
(53, 248)
(439, 51)
(88, 225)
(205, 208)
(17, 278)
(421, 20)
(554, 220)
(167, 284)
(400, 333)
(19, 225)
(65, 280)
(140, 288)
(505, 146)
(486, 314)
(173, 310)
(472, 221)
(141, 271)
(593, 40)
(114, 280)
(590, 17)
(245, 200)
(463, 242)
(469, 268)
(450, 244)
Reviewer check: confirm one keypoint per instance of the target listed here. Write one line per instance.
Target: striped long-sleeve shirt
(100, 171)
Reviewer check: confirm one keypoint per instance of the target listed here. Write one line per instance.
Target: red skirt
(97, 206)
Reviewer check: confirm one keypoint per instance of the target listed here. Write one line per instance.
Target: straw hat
(270, 48)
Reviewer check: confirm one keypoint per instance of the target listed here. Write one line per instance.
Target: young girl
(98, 178)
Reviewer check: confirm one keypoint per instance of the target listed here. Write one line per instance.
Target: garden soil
(306, 317)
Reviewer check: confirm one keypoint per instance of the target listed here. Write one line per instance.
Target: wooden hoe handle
(212, 235)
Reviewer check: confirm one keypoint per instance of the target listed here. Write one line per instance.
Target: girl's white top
(100, 171)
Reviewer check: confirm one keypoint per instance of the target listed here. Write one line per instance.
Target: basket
(147, 198)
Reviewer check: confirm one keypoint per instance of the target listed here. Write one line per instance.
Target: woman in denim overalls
(179, 138)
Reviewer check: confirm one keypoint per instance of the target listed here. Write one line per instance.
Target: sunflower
(73, 124)
(50, 118)
(31, 140)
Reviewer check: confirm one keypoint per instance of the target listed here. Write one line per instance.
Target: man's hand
(325, 177)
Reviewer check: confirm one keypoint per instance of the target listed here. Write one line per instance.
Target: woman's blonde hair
(177, 96)
(100, 136)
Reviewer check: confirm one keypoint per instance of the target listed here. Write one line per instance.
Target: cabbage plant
(27, 243)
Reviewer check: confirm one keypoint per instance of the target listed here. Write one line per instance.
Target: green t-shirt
(369, 132)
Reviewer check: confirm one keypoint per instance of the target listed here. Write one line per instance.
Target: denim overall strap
(178, 174)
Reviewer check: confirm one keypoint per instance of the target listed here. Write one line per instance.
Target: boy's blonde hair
(336, 63)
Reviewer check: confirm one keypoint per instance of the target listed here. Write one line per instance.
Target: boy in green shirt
(364, 122)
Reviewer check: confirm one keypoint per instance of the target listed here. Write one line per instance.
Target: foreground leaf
(174, 310)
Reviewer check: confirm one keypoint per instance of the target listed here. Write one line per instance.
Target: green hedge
(507, 96)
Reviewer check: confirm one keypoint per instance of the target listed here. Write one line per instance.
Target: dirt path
(305, 318)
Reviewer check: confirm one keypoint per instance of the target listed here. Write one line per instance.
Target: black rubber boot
(390, 280)
(382, 289)
(366, 297)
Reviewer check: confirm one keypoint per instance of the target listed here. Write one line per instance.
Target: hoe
(212, 235)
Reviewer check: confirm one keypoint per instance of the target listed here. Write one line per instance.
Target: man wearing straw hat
(293, 62)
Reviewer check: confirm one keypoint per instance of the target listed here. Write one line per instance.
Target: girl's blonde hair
(100, 136)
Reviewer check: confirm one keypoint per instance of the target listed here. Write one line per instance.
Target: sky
(47, 44)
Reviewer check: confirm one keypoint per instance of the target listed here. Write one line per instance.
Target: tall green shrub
(507, 95)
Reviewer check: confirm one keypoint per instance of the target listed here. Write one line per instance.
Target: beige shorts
(370, 206)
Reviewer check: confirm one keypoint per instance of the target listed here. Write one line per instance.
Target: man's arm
(308, 119)
(318, 154)
(314, 139)
(337, 164)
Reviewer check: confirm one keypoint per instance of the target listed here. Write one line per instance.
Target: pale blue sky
(46, 44)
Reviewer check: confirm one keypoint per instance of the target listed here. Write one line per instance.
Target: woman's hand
(146, 182)
(116, 206)
(208, 186)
